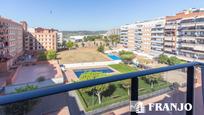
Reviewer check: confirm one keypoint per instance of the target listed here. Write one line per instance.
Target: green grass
(123, 68)
(116, 93)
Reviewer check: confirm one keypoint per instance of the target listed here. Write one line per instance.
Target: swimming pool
(113, 57)
(78, 72)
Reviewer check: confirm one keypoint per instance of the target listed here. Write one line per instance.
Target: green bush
(40, 79)
(126, 56)
(163, 59)
(101, 48)
(42, 56)
(49, 55)
(170, 60)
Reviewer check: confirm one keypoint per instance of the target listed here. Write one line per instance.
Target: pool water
(113, 57)
(78, 72)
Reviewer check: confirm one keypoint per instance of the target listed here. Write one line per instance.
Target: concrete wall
(89, 64)
(50, 82)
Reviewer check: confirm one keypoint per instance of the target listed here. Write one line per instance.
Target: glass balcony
(116, 94)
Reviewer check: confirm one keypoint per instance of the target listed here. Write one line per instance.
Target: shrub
(40, 79)
(42, 56)
(51, 54)
(163, 59)
(170, 61)
(127, 56)
(101, 48)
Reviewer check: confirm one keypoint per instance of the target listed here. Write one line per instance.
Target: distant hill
(73, 33)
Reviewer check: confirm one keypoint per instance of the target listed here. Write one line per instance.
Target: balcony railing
(12, 98)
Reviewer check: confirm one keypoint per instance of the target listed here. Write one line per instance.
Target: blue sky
(90, 14)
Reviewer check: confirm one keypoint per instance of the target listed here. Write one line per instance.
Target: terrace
(191, 89)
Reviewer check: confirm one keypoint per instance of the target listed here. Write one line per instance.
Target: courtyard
(116, 92)
(81, 55)
(31, 73)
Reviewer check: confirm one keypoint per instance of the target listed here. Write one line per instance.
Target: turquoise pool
(113, 57)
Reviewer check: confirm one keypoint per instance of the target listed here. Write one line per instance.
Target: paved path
(179, 96)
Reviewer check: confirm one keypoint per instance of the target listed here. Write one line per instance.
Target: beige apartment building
(143, 36)
(11, 43)
(127, 36)
(40, 39)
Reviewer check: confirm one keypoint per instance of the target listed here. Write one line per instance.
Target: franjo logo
(138, 107)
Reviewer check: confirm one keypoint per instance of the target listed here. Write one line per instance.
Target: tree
(83, 44)
(101, 48)
(126, 84)
(21, 108)
(97, 90)
(163, 59)
(106, 40)
(76, 46)
(70, 45)
(42, 56)
(152, 79)
(64, 43)
(114, 39)
(126, 56)
(170, 61)
(51, 54)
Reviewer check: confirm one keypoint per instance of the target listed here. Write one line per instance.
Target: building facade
(146, 36)
(11, 43)
(184, 34)
(60, 40)
(157, 37)
(40, 39)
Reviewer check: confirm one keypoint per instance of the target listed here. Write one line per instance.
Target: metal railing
(12, 98)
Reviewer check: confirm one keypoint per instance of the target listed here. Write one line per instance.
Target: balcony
(55, 91)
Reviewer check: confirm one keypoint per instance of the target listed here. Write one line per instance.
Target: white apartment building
(124, 35)
(157, 37)
(59, 40)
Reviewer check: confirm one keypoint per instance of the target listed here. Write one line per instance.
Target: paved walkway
(50, 105)
(179, 96)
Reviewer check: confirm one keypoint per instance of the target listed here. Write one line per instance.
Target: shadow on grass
(110, 91)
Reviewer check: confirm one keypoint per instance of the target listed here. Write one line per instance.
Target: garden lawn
(114, 94)
(123, 68)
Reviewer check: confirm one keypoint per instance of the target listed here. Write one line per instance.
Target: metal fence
(8, 99)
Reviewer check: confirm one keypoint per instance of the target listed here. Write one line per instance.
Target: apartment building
(11, 43)
(138, 37)
(184, 34)
(145, 36)
(59, 40)
(124, 35)
(127, 36)
(157, 37)
(40, 39)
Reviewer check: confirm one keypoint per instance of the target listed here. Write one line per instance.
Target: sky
(90, 14)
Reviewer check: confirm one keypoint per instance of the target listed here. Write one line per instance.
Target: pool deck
(71, 76)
